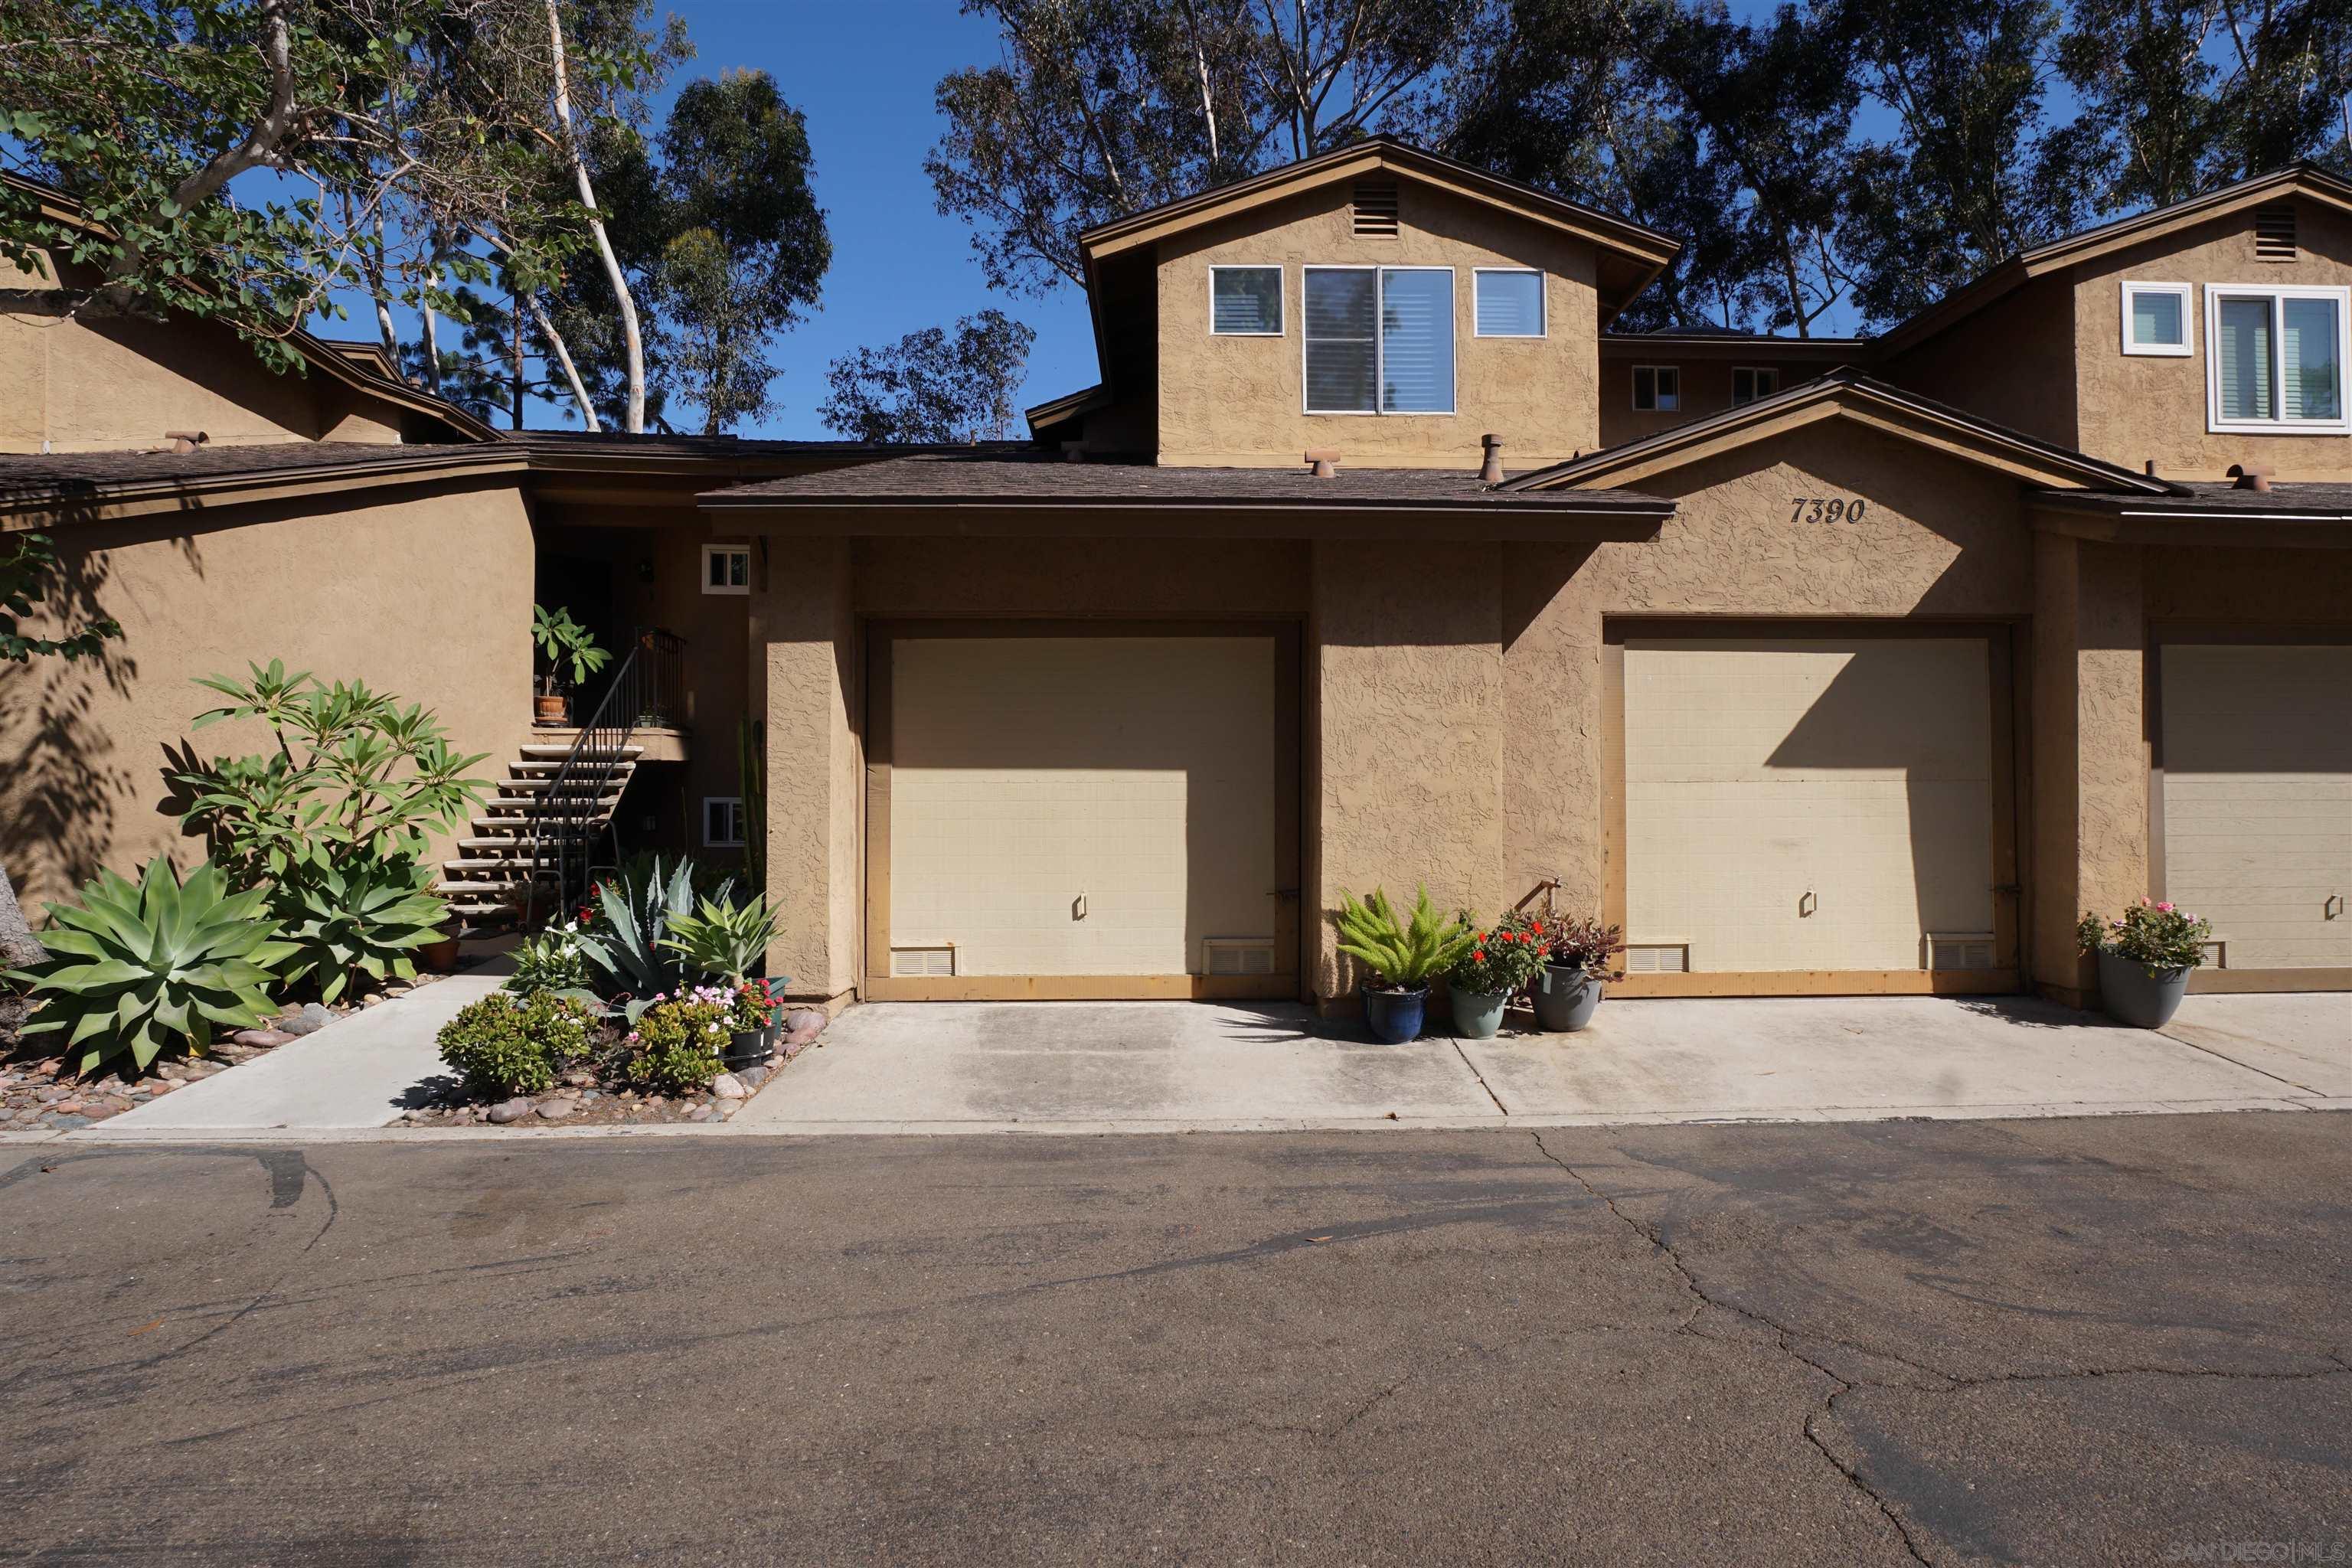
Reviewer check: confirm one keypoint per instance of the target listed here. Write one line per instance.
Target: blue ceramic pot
(1395, 1015)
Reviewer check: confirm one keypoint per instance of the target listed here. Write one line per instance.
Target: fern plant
(1401, 954)
(136, 965)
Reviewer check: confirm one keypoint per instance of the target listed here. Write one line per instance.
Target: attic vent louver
(1376, 208)
(2274, 234)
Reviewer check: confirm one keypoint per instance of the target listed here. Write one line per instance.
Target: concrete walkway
(1160, 1067)
(357, 1072)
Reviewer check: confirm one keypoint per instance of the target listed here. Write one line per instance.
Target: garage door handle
(2332, 907)
(1079, 907)
(1807, 905)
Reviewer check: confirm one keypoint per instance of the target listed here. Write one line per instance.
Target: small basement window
(722, 822)
(726, 569)
(1657, 387)
(1245, 302)
(1511, 302)
(2155, 319)
(1749, 382)
(2274, 359)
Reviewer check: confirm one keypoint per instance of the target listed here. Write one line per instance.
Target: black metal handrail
(645, 691)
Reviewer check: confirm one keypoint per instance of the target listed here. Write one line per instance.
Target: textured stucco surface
(1238, 400)
(2137, 406)
(426, 596)
(803, 640)
(106, 382)
(2009, 362)
(1407, 665)
(1706, 384)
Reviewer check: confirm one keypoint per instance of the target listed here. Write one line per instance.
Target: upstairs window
(2274, 359)
(1749, 382)
(726, 569)
(1245, 302)
(1380, 339)
(1511, 302)
(2155, 319)
(1657, 388)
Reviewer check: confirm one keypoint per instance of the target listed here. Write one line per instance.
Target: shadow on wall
(61, 784)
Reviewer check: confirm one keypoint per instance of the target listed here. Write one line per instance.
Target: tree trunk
(515, 389)
(431, 338)
(564, 357)
(18, 945)
(634, 420)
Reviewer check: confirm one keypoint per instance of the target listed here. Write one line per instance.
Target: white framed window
(2155, 319)
(722, 822)
(1377, 340)
(1245, 302)
(1508, 303)
(2274, 358)
(1657, 387)
(1750, 381)
(725, 568)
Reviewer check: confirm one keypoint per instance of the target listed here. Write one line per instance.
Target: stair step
(515, 842)
(557, 753)
(595, 768)
(573, 786)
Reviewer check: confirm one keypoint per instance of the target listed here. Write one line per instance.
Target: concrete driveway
(1145, 1065)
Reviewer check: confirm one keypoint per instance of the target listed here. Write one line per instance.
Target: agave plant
(360, 917)
(721, 940)
(1403, 954)
(134, 966)
(629, 947)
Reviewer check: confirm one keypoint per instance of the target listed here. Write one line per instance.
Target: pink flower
(2164, 909)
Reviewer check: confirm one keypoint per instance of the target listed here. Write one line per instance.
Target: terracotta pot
(440, 957)
(552, 709)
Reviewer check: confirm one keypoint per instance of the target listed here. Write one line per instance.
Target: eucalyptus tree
(933, 385)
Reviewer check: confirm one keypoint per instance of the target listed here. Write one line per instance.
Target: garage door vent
(1657, 958)
(934, 963)
(1239, 954)
(1958, 950)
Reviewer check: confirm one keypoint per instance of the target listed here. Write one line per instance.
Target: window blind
(1245, 300)
(2246, 358)
(1510, 305)
(1416, 340)
(2308, 373)
(1342, 333)
(2155, 319)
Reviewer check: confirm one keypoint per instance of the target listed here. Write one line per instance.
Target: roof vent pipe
(2248, 479)
(1490, 467)
(186, 441)
(1325, 461)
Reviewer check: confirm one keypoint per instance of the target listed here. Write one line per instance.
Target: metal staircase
(531, 845)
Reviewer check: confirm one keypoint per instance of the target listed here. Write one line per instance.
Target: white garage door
(2258, 798)
(1822, 804)
(1082, 805)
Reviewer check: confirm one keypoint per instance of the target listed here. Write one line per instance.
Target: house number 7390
(1826, 508)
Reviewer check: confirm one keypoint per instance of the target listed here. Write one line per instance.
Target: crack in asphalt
(1784, 1338)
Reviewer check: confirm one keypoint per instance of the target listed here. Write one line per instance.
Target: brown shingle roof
(1048, 481)
(70, 474)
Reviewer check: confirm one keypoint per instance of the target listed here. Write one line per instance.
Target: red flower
(1480, 954)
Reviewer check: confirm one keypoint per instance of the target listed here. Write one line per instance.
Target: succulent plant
(359, 917)
(135, 965)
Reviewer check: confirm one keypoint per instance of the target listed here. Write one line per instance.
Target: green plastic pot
(1478, 1014)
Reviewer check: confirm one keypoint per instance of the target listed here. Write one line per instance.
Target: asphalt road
(2052, 1342)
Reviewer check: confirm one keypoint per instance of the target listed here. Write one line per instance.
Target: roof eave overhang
(97, 502)
(2114, 520)
(1032, 518)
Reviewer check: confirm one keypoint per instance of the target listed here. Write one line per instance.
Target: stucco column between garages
(2090, 746)
(804, 688)
(1406, 750)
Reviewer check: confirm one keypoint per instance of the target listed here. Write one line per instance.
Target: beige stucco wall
(2138, 406)
(1706, 387)
(804, 680)
(2010, 362)
(109, 382)
(424, 594)
(1238, 401)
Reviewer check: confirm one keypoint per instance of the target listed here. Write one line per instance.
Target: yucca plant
(363, 917)
(725, 941)
(1401, 954)
(134, 966)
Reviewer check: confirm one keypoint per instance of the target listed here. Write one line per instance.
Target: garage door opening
(1067, 813)
(1813, 814)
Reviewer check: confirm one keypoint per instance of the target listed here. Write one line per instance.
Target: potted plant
(1399, 957)
(1500, 964)
(440, 954)
(2145, 960)
(1575, 968)
(568, 654)
(731, 941)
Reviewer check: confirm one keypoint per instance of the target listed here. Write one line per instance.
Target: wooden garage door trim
(2160, 634)
(881, 985)
(1999, 639)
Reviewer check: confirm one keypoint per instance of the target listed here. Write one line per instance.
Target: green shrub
(2154, 935)
(1403, 954)
(505, 1045)
(551, 961)
(675, 1046)
(135, 966)
(362, 916)
(1503, 961)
